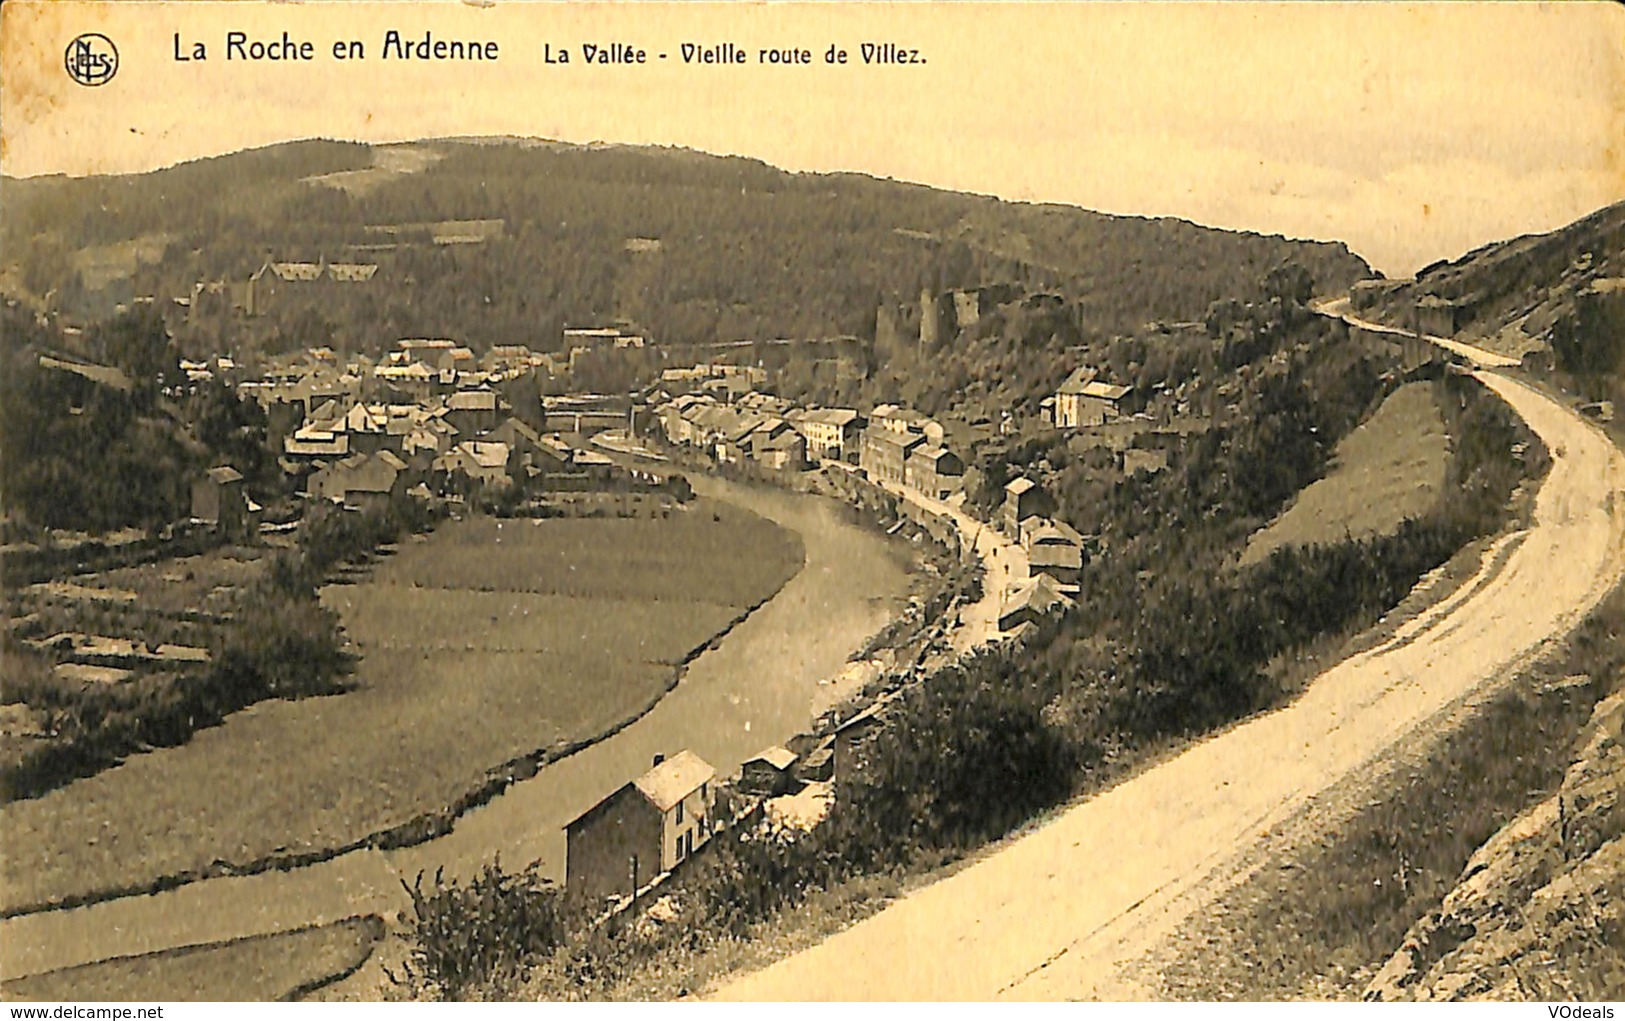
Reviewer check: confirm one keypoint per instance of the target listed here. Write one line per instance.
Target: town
(432, 423)
(505, 569)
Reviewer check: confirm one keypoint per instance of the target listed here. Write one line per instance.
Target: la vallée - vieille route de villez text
(396, 46)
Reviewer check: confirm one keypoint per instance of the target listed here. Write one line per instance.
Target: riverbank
(752, 690)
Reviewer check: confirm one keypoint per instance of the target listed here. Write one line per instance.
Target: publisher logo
(91, 59)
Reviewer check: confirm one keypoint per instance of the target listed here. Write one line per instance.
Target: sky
(1413, 132)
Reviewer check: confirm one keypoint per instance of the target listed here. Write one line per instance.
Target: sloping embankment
(1539, 911)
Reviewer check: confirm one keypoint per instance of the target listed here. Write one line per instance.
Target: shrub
(476, 937)
(962, 760)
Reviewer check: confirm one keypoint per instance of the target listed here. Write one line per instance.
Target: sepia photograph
(515, 501)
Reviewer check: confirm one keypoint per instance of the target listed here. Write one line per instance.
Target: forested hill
(691, 247)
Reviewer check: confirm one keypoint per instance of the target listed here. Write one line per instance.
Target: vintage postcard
(812, 501)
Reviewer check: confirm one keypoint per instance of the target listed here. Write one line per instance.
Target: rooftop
(1108, 391)
(778, 756)
(674, 779)
(1074, 383)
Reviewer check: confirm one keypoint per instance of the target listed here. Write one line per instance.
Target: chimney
(658, 760)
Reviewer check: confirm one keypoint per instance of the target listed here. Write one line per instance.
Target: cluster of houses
(716, 380)
(889, 444)
(466, 443)
(1056, 553)
(427, 420)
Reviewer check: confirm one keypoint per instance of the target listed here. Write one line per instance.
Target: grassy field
(389, 617)
(454, 682)
(697, 555)
(261, 968)
(210, 581)
(1390, 468)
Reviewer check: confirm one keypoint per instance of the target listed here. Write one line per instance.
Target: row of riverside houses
(758, 429)
(890, 444)
(905, 448)
(466, 444)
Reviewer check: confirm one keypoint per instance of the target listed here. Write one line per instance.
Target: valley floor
(757, 687)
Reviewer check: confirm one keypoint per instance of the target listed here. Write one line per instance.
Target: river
(755, 689)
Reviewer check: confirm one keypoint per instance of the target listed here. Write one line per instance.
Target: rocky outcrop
(1539, 911)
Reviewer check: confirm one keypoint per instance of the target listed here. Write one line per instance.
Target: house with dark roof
(782, 450)
(769, 772)
(535, 458)
(220, 499)
(832, 433)
(1023, 499)
(644, 829)
(475, 465)
(473, 411)
(934, 471)
(361, 480)
(1031, 601)
(1054, 548)
(735, 433)
(885, 453)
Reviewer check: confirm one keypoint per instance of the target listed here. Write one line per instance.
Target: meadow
(1391, 467)
(280, 966)
(462, 683)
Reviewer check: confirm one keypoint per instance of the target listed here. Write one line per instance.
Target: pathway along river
(756, 688)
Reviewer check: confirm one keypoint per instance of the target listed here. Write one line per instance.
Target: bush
(962, 760)
(481, 936)
(285, 648)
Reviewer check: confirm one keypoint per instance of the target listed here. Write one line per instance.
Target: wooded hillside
(721, 247)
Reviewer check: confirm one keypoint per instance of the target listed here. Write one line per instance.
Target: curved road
(1056, 914)
(1004, 566)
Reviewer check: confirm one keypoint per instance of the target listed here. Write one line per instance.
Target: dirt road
(1477, 355)
(1004, 564)
(1057, 913)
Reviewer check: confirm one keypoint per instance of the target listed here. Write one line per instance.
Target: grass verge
(1320, 923)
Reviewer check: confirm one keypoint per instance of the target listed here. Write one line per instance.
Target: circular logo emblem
(91, 59)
